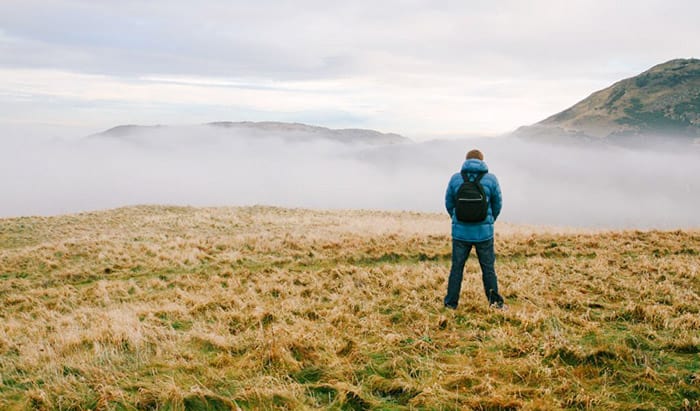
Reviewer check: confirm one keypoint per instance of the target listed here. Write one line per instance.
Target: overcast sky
(420, 68)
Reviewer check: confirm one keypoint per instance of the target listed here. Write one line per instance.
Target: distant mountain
(662, 102)
(126, 131)
(248, 129)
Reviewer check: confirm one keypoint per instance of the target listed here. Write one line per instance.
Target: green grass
(263, 308)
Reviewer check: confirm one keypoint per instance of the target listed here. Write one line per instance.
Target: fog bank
(556, 185)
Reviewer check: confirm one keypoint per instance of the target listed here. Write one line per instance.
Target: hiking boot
(499, 306)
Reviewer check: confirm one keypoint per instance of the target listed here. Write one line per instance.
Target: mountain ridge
(663, 101)
(263, 129)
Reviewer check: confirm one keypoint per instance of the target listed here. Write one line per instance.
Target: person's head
(475, 154)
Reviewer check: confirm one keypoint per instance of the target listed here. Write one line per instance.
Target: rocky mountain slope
(663, 101)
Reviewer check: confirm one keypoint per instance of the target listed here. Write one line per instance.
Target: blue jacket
(474, 232)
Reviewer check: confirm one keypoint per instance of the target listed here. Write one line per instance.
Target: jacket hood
(474, 165)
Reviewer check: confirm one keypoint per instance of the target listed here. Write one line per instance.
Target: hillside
(294, 132)
(662, 101)
(267, 308)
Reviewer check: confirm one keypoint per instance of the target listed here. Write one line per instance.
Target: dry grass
(266, 308)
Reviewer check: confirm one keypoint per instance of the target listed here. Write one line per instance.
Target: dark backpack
(471, 204)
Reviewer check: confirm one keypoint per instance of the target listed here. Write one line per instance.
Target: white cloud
(201, 166)
(411, 67)
(409, 104)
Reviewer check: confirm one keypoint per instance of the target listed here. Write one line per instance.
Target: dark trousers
(487, 258)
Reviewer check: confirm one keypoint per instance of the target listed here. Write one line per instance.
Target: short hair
(475, 154)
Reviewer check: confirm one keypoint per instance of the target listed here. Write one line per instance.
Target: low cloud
(555, 185)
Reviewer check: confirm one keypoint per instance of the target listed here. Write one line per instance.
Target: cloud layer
(572, 186)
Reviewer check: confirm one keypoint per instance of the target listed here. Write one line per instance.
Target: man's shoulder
(490, 176)
(490, 180)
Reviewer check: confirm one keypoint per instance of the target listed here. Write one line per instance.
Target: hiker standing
(473, 200)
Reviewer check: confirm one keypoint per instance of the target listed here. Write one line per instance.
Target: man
(478, 234)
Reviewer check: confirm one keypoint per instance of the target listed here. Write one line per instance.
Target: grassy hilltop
(662, 101)
(266, 308)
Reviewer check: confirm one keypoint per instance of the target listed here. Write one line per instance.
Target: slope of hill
(268, 308)
(662, 101)
(249, 129)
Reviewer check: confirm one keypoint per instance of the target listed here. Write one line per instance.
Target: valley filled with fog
(588, 186)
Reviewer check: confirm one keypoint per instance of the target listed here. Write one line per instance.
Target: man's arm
(496, 199)
(449, 199)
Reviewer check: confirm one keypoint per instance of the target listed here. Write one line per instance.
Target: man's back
(480, 231)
